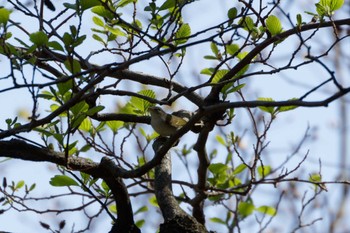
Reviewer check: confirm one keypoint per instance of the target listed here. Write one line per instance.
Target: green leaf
(113, 208)
(232, 13)
(140, 223)
(73, 66)
(327, 7)
(153, 201)
(19, 184)
(141, 209)
(142, 105)
(232, 49)
(105, 187)
(214, 48)
(115, 125)
(167, 4)
(85, 125)
(336, 4)
(182, 34)
(247, 23)
(218, 220)
(55, 45)
(207, 71)
(64, 87)
(115, 31)
(94, 110)
(209, 57)
(264, 171)
(62, 180)
(287, 108)
(274, 25)
(79, 108)
(240, 168)
(299, 20)
(217, 168)
(264, 108)
(316, 177)
(245, 208)
(70, 6)
(86, 4)
(235, 88)
(39, 38)
(4, 16)
(32, 187)
(221, 140)
(103, 12)
(98, 21)
(267, 210)
(98, 38)
(78, 120)
(123, 3)
(219, 75)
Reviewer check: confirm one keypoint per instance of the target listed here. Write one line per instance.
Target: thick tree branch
(175, 219)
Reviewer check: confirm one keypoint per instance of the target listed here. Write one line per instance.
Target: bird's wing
(176, 121)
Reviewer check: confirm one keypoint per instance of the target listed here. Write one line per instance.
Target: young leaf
(39, 38)
(182, 34)
(264, 170)
(141, 209)
(220, 139)
(62, 180)
(240, 168)
(98, 21)
(214, 48)
(267, 210)
(218, 220)
(274, 25)
(232, 49)
(218, 76)
(4, 16)
(217, 168)
(85, 125)
(167, 4)
(19, 184)
(245, 208)
(115, 125)
(265, 108)
(141, 105)
(247, 23)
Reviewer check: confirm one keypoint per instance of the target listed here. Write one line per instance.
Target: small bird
(166, 124)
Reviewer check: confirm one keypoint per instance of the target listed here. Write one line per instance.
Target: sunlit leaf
(182, 34)
(264, 170)
(267, 210)
(274, 25)
(219, 75)
(245, 208)
(266, 108)
(217, 168)
(218, 220)
(98, 21)
(115, 125)
(62, 180)
(85, 125)
(142, 105)
(4, 16)
(19, 184)
(240, 168)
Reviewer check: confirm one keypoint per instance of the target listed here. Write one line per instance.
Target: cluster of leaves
(73, 82)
